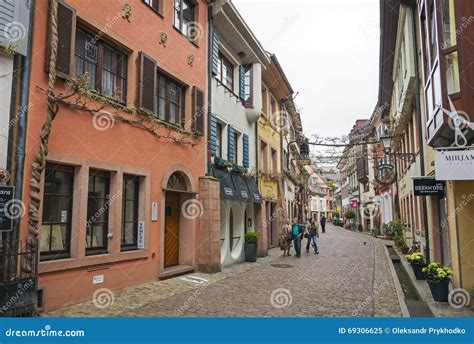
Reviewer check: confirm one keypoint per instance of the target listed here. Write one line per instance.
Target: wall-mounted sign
(98, 279)
(141, 235)
(6, 199)
(454, 164)
(428, 187)
(354, 203)
(154, 211)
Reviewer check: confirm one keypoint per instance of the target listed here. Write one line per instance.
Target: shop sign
(428, 187)
(6, 199)
(354, 203)
(141, 235)
(454, 164)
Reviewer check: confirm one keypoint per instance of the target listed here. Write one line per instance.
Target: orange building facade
(120, 191)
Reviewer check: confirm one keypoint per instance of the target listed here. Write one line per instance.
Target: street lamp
(386, 143)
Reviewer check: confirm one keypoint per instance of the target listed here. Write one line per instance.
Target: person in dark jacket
(313, 235)
(323, 223)
(297, 232)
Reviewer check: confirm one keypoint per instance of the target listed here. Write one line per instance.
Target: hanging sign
(354, 203)
(428, 187)
(6, 199)
(454, 164)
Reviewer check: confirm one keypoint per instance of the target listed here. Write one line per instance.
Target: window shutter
(230, 143)
(215, 53)
(213, 134)
(245, 142)
(66, 40)
(199, 111)
(147, 83)
(242, 82)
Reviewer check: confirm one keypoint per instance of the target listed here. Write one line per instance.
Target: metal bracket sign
(6, 199)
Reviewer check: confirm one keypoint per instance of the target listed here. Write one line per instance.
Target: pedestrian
(297, 232)
(323, 223)
(313, 236)
(285, 239)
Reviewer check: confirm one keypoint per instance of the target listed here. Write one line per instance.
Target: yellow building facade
(275, 88)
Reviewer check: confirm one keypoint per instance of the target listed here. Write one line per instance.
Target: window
(97, 212)
(131, 185)
(219, 140)
(248, 84)
(105, 66)
(265, 101)
(184, 18)
(264, 156)
(57, 211)
(274, 160)
(155, 4)
(452, 72)
(170, 100)
(225, 72)
(273, 108)
(448, 24)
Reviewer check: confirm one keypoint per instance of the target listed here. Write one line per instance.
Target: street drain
(283, 266)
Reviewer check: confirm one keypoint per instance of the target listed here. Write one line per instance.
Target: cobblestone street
(350, 277)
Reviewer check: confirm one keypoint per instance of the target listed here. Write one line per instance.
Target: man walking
(297, 235)
(313, 235)
(323, 223)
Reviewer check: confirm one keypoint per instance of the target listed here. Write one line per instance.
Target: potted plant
(438, 279)
(418, 263)
(401, 244)
(250, 247)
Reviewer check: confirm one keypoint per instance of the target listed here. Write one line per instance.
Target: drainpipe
(420, 135)
(209, 85)
(21, 138)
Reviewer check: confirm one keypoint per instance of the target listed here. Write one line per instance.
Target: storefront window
(131, 186)
(57, 210)
(97, 212)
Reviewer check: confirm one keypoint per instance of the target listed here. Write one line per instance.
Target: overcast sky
(329, 51)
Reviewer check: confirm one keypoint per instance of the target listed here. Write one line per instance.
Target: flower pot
(440, 291)
(418, 270)
(250, 251)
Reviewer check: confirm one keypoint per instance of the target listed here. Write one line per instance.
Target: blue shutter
(245, 142)
(215, 53)
(213, 134)
(230, 143)
(242, 82)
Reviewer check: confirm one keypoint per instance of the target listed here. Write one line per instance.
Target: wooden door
(172, 214)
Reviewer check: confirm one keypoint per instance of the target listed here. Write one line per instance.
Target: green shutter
(245, 141)
(213, 134)
(230, 143)
(215, 53)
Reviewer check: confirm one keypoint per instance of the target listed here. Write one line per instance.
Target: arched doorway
(177, 183)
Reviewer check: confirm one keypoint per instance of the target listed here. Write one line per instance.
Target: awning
(253, 190)
(241, 187)
(227, 186)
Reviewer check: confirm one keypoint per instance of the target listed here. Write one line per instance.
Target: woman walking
(297, 232)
